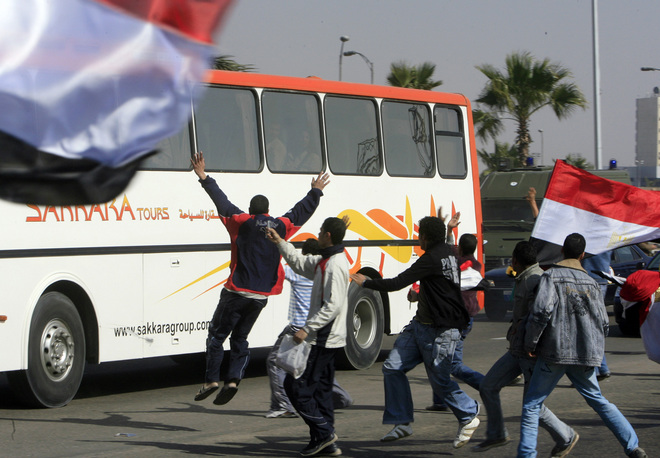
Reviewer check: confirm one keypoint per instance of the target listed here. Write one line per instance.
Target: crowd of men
(559, 328)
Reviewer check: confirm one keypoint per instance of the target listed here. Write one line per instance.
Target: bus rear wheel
(56, 354)
(364, 323)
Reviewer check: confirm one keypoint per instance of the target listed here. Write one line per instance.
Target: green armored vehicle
(507, 216)
(508, 219)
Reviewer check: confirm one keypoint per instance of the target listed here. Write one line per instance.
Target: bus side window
(226, 128)
(172, 153)
(407, 139)
(352, 135)
(450, 142)
(292, 132)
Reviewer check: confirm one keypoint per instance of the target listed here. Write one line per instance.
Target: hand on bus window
(321, 181)
(199, 165)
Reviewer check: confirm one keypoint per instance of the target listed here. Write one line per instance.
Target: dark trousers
(311, 394)
(234, 315)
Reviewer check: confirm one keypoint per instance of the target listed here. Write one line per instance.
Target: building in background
(647, 150)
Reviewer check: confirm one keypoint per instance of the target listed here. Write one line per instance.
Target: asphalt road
(146, 409)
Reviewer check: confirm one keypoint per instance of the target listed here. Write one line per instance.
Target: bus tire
(364, 326)
(56, 354)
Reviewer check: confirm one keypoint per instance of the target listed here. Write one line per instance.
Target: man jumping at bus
(255, 272)
(430, 338)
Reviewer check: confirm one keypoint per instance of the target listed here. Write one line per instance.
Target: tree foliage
(578, 161)
(228, 63)
(525, 86)
(503, 154)
(410, 76)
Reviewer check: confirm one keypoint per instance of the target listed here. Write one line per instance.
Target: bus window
(408, 145)
(226, 128)
(292, 132)
(173, 153)
(352, 135)
(450, 143)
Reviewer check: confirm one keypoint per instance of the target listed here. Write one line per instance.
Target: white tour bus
(140, 276)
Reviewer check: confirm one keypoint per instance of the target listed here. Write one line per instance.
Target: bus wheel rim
(57, 350)
(363, 320)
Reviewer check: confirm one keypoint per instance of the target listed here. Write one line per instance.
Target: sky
(302, 38)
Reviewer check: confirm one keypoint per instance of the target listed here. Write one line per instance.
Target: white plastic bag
(292, 357)
(650, 330)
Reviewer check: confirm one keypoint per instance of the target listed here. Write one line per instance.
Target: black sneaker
(313, 448)
(330, 450)
(490, 443)
(638, 453)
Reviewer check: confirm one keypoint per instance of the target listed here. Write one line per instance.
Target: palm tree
(228, 63)
(419, 77)
(526, 86)
(487, 125)
(503, 153)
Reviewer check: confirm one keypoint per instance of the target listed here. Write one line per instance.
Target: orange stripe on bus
(214, 271)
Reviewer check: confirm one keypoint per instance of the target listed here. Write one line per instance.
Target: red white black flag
(89, 87)
(607, 213)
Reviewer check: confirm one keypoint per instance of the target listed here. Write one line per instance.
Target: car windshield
(655, 263)
(506, 210)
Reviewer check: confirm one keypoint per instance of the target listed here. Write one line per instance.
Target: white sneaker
(398, 432)
(280, 414)
(465, 432)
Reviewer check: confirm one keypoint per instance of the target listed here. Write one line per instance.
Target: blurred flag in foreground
(89, 87)
(607, 213)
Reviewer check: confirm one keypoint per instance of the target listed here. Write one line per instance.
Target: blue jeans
(235, 315)
(503, 372)
(433, 346)
(460, 370)
(603, 369)
(545, 378)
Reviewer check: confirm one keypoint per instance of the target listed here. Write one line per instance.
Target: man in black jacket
(431, 336)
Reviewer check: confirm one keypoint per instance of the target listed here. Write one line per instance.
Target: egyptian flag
(607, 213)
(89, 87)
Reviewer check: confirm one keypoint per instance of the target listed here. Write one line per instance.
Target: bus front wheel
(364, 322)
(56, 354)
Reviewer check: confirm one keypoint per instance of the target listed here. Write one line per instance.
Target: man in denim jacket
(566, 329)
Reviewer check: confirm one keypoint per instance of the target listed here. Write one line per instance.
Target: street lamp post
(541, 132)
(369, 63)
(650, 69)
(344, 39)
